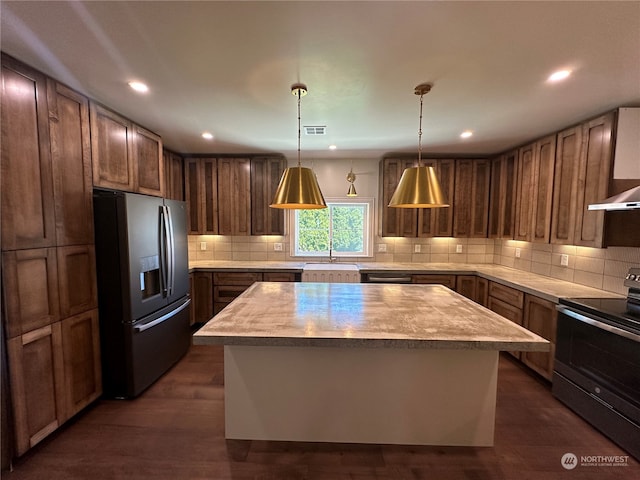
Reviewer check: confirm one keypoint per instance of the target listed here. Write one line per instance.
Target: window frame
(368, 230)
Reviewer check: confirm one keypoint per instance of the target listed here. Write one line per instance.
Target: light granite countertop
(363, 315)
(545, 287)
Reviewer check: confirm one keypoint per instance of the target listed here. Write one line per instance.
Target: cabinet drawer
(506, 294)
(236, 278)
(279, 277)
(226, 293)
(446, 280)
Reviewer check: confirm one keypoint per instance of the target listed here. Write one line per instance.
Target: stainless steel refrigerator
(143, 288)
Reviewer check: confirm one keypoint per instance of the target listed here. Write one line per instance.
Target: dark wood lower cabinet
(82, 369)
(201, 297)
(36, 371)
(540, 317)
(508, 311)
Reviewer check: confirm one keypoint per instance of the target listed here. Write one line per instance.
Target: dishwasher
(385, 277)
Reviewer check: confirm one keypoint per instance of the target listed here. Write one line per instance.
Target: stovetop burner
(615, 310)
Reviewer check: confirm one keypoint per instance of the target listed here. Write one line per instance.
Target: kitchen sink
(331, 272)
(331, 266)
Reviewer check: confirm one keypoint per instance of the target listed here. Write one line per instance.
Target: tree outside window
(341, 227)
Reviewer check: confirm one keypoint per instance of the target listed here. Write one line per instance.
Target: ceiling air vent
(315, 130)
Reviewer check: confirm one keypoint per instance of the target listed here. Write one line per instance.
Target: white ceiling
(227, 67)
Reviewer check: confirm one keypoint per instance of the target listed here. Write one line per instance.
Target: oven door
(602, 359)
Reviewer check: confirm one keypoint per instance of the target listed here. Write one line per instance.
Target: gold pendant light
(298, 188)
(351, 177)
(419, 186)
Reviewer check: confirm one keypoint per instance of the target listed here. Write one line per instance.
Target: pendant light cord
(299, 131)
(420, 134)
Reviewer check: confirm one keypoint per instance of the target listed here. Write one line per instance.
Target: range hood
(627, 200)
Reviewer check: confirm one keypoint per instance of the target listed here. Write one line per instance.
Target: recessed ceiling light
(466, 134)
(559, 76)
(332, 147)
(139, 87)
(207, 136)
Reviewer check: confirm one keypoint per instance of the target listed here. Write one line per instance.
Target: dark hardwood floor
(175, 430)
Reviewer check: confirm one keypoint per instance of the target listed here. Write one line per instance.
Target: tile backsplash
(593, 267)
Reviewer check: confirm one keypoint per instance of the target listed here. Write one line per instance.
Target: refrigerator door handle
(171, 260)
(166, 316)
(164, 249)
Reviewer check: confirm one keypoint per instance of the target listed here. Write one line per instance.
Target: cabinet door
(148, 162)
(81, 353)
(395, 222)
(201, 194)
(265, 177)
(30, 285)
(26, 181)
(471, 198)
(507, 311)
(545, 155)
(438, 222)
(466, 285)
(565, 184)
(36, 371)
(482, 291)
(173, 176)
(111, 149)
(593, 180)
(502, 196)
(524, 193)
(202, 296)
(234, 196)
(71, 157)
(540, 317)
(77, 279)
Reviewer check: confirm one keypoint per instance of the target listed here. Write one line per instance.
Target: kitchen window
(343, 229)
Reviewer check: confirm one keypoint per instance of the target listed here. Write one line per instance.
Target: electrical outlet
(517, 253)
(277, 246)
(203, 246)
(564, 260)
(416, 248)
(458, 248)
(382, 247)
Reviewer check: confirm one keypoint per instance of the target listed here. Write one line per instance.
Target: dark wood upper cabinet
(502, 196)
(524, 193)
(565, 185)
(395, 222)
(112, 149)
(71, 159)
(173, 175)
(26, 179)
(544, 155)
(438, 222)
(125, 156)
(148, 162)
(471, 198)
(594, 173)
(265, 177)
(234, 196)
(201, 195)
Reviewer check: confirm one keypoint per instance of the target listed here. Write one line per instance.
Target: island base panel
(360, 395)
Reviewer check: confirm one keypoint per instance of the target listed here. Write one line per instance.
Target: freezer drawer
(151, 346)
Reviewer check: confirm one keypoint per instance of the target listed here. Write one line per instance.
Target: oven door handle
(603, 326)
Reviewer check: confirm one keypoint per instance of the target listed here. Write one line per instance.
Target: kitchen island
(365, 363)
